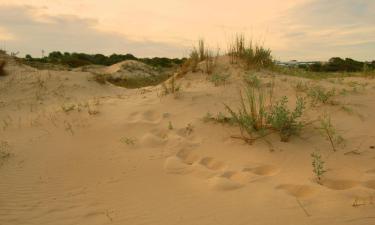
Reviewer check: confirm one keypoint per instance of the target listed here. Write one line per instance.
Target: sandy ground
(85, 153)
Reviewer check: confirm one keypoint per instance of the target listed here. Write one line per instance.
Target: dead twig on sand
(303, 208)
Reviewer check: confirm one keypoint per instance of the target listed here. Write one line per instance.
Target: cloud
(30, 33)
(321, 29)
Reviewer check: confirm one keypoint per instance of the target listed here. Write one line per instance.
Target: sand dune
(85, 153)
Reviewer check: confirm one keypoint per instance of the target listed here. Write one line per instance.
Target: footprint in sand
(224, 183)
(150, 140)
(298, 191)
(208, 167)
(148, 116)
(181, 163)
(265, 170)
(336, 184)
(370, 184)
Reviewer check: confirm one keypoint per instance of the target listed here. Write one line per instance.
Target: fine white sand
(85, 153)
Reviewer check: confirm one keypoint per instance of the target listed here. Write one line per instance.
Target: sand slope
(84, 153)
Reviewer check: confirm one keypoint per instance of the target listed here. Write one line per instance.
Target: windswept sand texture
(85, 153)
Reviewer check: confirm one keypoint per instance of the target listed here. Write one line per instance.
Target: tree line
(82, 59)
(337, 64)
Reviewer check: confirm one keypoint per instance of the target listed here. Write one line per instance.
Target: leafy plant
(318, 166)
(286, 121)
(219, 79)
(320, 94)
(330, 132)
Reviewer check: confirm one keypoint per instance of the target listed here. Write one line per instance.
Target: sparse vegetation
(171, 87)
(318, 166)
(170, 126)
(4, 150)
(68, 107)
(189, 129)
(319, 94)
(100, 78)
(252, 80)
(330, 132)
(301, 87)
(219, 78)
(128, 140)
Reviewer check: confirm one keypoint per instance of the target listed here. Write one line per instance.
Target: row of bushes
(82, 59)
(337, 64)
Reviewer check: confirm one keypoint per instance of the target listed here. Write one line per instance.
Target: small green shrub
(219, 79)
(330, 132)
(319, 94)
(286, 121)
(318, 166)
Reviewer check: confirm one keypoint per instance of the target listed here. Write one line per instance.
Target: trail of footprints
(220, 177)
(217, 173)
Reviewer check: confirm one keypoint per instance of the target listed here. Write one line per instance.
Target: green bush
(285, 121)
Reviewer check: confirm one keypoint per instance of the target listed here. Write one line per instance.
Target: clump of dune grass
(253, 55)
(252, 80)
(301, 86)
(171, 87)
(251, 116)
(257, 116)
(2, 66)
(219, 78)
(202, 53)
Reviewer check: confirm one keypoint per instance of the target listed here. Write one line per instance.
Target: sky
(292, 29)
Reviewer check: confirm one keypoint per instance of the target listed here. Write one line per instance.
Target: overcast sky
(293, 29)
